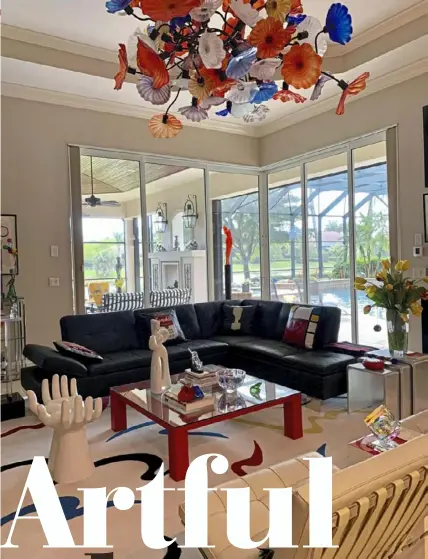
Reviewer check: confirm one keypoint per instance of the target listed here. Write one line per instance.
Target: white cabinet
(187, 268)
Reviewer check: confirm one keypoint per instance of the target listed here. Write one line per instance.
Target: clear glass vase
(398, 333)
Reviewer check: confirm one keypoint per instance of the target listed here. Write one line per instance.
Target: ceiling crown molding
(28, 93)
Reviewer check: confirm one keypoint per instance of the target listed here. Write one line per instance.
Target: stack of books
(171, 400)
(206, 380)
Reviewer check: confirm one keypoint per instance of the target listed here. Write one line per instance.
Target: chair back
(97, 289)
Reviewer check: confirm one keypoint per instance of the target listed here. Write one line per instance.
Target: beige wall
(35, 186)
(400, 105)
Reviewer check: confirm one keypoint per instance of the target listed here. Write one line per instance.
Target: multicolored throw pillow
(302, 326)
(238, 319)
(168, 319)
(77, 351)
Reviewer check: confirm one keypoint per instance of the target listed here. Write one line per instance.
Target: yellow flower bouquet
(399, 295)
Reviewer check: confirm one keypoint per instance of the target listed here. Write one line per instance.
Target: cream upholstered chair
(379, 507)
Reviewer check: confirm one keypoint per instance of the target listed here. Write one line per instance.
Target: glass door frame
(389, 136)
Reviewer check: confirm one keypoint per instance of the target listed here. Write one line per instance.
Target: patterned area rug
(132, 457)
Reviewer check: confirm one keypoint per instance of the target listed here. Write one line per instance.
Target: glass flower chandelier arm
(316, 40)
(173, 101)
(223, 16)
(140, 18)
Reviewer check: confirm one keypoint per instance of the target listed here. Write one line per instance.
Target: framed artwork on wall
(9, 238)
(425, 125)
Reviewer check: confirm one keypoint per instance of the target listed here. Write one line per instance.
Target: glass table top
(221, 403)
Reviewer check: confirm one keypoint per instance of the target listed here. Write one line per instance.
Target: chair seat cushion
(321, 363)
(121, 361)
(269, 348)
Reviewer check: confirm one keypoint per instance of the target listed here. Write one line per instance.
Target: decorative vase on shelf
(398, 333)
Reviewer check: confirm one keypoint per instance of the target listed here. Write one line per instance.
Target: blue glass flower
(224, 112)
(338, 24)
(179, 22)
(295, 20)
(265, 92)
(241, 63)
(114, 6)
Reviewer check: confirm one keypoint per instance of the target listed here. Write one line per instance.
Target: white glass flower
(212, 102)
(245, 12)
(205, 11)
(242, 92)
(313, 27)
(239, 110)
(155, 96)
(264, 69)
(211, 50)
(194, 112)
(257, 115)
(180, 83)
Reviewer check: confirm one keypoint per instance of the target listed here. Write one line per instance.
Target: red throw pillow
(301, 326)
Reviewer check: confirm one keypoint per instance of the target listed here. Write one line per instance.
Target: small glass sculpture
(196, 364)
(228, 403)
(384, 427)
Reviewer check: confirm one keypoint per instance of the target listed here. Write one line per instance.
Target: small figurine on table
(197, 366)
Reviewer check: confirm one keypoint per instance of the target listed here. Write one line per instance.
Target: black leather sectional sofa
(318, 373)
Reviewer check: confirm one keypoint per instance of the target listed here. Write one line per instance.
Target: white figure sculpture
(160, 379)
(65, 412)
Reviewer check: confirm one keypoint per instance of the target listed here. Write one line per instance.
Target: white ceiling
(86, 21)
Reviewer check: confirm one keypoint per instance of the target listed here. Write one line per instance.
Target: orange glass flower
(164, 126)
(301, 66)
(258, 5)
(215, 79)
(151, 64)
(285, 95)
(199, 88)
(164, 10)
(123, 67)
(269, 36)
(229, 28)
(353, 88)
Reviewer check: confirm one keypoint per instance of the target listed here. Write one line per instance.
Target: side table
(418, 363)
(368, 389)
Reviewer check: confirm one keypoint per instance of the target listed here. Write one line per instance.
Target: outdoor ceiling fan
(93, 200)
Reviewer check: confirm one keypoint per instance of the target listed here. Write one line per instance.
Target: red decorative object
(374, 364)
(352, 88)
(229, 242)
(186, 394)
(123, 67)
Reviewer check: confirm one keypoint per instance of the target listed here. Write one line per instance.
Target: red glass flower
(285, 95)
(296, 7)
(353, 88)
(150, 64)
(270, 37)
(123, 67)
(164, 10)
(301, 66)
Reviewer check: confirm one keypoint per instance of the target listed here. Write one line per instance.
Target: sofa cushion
(210, 317)
(206, 347)
(167, 319)
(121, 361)
(319, 363)
(269, 348)
(302, 326)
(238, 319)
(266, 319)
(235, 340)
(102, 332)
(50, 360)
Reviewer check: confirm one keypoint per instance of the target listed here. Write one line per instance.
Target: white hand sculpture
(66, 413)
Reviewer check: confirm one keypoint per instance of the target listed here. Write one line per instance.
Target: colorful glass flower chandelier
(227, 54)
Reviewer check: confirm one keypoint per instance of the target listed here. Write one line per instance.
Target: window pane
(286, 236)
(328, 237)
(235, 204)
(371, 233)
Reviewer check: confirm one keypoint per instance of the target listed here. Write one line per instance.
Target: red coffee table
(178, 425)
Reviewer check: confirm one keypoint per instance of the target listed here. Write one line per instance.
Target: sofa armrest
(52, 361)
(292, 473)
